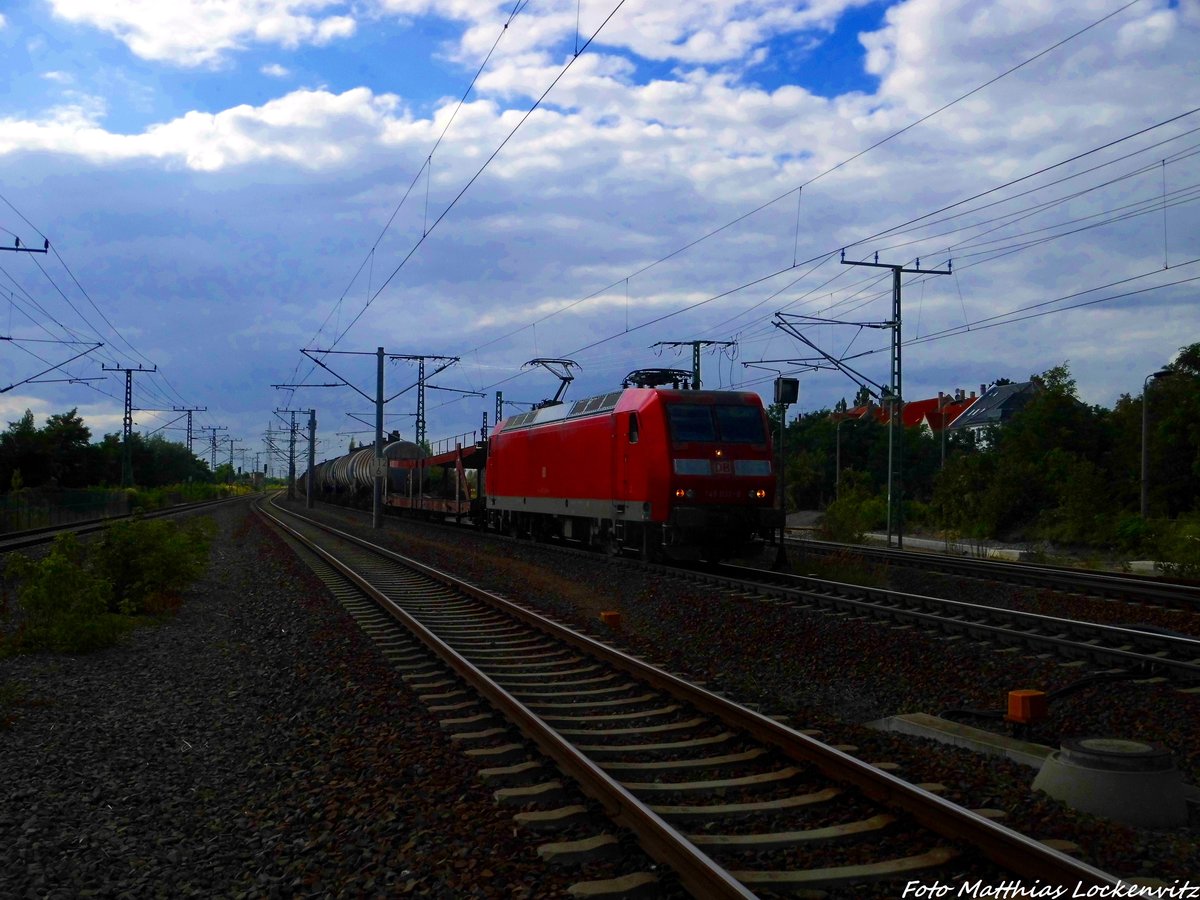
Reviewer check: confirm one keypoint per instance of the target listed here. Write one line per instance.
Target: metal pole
(781, 559)
(292, 459)
(377, 499)
(1145, 404)
(421, 434)
(896, 426)
(312, 457)
(127, 433)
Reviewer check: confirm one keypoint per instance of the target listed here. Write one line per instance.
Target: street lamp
(787, 391)
(1162, 373)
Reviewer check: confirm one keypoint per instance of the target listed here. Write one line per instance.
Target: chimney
(941, 400)
(958, 395)
(982, 390)
(972, 395)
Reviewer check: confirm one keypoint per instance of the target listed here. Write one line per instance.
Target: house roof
(997, 405)
(916, 413)
(927, 412)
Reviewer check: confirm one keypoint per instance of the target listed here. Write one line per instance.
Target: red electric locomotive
(680, 473)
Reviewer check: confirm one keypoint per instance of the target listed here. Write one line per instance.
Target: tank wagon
(349, 479)
(677, 473)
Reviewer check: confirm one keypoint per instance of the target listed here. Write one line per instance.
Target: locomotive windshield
(740, 424)
(694, 422)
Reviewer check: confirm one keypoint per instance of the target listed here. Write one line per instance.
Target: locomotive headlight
(719, 453)
(680, 492)
(758, 495)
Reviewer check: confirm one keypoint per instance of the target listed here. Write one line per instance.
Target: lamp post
(1162, 373)
(787, 391)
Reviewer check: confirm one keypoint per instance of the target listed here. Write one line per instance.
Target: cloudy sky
(225, 183)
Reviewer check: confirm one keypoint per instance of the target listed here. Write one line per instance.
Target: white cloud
(309, 129)
(202, 32)
(3, 21)
(613, 174)
(59, 77)
(275, 70)
(699, 32)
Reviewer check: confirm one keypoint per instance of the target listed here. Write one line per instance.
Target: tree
(67, 443)
(22, 460)
(1173, 438)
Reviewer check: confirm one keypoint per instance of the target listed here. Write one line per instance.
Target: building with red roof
(933, 415)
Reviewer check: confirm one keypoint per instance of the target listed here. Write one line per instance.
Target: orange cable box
(1026, 707)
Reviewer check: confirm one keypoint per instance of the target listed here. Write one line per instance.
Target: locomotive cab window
(701, 423)
(691, 422)
(633, 428)
(740, 424)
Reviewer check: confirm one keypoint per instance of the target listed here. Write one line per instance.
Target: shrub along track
(652, 747)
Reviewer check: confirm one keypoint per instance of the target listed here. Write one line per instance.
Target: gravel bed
(837, 673)
(255, 745)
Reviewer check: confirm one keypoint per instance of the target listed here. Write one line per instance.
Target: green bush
(75, 600)
(65, 604)
(1133, 533)
(918, 514)
(148, 562)
(848, 518)
(1179, 549)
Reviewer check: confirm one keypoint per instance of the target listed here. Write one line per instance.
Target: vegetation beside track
(1058, 474)
(78, 598)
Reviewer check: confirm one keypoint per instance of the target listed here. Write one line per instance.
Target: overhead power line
(800, 187)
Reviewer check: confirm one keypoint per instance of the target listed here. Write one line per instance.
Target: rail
(1077, 581)
(35, 536)
(1013, 851)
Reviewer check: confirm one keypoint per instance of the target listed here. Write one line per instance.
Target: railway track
(1138, 651)
(733, 802)
(1105, 585)
(19, 540)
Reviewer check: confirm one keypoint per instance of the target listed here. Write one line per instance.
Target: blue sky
(216, 174)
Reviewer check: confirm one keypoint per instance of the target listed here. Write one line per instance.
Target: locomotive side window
(740, 424)
(633, 428)
(691, 422)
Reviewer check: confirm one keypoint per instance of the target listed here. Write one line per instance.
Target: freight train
(673, 473)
